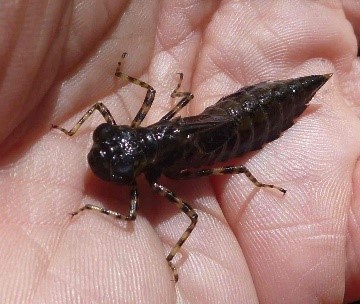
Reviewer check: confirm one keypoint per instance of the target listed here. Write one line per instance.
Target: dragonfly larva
(175, 147)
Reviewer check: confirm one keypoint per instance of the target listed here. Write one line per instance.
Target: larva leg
(132, 213)
(184, 207)
(186, 97)
(149, 98)
(98, 106)
(185, 174)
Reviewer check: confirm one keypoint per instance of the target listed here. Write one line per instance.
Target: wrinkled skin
(250, 245)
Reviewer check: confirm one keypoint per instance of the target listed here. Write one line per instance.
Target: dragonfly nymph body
(241, 122)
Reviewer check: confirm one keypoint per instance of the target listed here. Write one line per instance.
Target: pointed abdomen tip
(327, 76)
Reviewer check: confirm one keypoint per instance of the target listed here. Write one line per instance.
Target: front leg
(132, 213)
(98, 106)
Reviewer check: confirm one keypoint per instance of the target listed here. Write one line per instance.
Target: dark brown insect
(238, 123)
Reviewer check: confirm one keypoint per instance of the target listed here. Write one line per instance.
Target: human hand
(249, 245)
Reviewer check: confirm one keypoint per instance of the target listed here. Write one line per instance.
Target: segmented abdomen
(246, 120)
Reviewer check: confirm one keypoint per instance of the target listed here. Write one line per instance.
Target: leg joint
(194, 217)
(131, 217)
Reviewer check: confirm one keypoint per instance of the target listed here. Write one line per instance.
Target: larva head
(115, 155)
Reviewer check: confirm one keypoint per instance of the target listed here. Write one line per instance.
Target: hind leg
(186, 174)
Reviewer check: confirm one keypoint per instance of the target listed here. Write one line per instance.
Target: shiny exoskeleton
(174, 146)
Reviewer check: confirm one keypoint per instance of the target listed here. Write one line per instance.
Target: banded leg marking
(149, 98)
(132, 213)
(184, 207)
(185, 174)
(187, 96)
(98, 106)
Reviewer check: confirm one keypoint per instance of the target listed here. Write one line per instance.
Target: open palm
(250, 245)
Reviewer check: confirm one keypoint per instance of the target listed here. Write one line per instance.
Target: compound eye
(99, 162)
